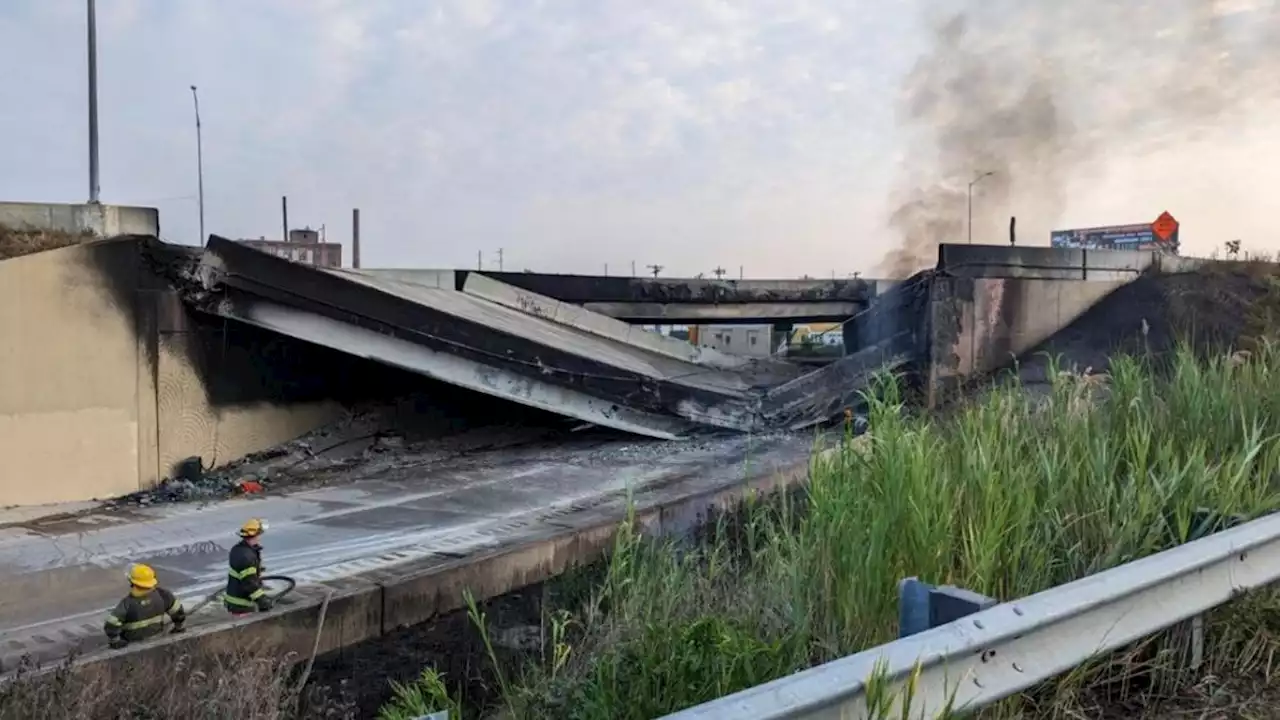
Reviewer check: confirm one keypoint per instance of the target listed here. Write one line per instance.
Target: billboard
(1160, 235)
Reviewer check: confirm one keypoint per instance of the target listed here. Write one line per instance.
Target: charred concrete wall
(978, 325)
(70, 422)
(107, 381)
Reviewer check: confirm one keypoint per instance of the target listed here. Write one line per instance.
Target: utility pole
(195, 98)
(971, 184)
(719, 272)
(355, 238)
(284, 216)
(93, 101)
(479, 259)
(655, 269)
(499, 259)
(633, 268)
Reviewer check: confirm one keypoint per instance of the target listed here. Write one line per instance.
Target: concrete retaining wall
(100, 394)
(101, 220)
(979, 325)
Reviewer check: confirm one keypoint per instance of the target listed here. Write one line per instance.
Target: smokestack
(284, 217)
(355, 238)
(1013, 232)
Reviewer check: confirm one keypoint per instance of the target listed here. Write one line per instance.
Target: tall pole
(93, 101)
(284, 217)
(199, 165)
(355, 238)
(971, 184)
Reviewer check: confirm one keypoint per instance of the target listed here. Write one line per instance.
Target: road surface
(63, 573)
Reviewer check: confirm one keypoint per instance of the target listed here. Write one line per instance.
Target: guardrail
(994, 653)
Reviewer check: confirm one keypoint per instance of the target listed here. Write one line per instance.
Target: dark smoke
(1043, 95)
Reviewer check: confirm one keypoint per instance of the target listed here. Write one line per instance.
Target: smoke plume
(1044, 95)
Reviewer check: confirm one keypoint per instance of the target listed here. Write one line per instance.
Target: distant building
(303, 246)
(749, 340)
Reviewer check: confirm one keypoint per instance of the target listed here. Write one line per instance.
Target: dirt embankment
(1222, 307)
(16, 242)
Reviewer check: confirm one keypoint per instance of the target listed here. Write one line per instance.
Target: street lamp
(92, 13)
(971, 184)
(199, 163)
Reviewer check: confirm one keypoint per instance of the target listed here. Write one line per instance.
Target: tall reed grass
(1007, 496)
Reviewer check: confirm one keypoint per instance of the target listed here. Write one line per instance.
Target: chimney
(355, 238)
(284, 217)
(1013, 233)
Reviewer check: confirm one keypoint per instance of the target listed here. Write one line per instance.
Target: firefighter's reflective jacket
(141, 615)
(244, 580)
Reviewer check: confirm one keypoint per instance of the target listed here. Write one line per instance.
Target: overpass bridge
(647, 301)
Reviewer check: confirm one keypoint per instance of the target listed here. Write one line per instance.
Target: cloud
(570, 133)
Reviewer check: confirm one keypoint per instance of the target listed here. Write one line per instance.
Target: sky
(782, 137)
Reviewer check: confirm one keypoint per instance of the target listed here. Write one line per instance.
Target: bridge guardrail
(997, 652)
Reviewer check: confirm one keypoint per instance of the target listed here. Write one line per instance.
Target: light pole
(199, 164)
(971, 184)
(93, 101)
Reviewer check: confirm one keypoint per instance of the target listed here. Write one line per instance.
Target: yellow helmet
(253, 528)
(142, 576)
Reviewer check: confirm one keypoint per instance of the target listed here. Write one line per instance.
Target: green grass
(1007, 496)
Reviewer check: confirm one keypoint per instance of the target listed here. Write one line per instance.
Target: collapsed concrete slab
(503, 341)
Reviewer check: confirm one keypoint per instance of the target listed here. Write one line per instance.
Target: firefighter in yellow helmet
(141, 614)
(245, 592)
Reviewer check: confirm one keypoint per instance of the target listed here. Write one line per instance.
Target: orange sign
(1165, 226)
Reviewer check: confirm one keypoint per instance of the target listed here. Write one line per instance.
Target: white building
(749, 340)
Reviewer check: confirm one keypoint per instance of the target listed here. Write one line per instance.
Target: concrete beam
(1046, 263)
(453, 369)
(577, 316)
(599, 288)
(756, 312)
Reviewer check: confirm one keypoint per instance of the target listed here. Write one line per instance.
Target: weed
(249, 684)
(1007, 496)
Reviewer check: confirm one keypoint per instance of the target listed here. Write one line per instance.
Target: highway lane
(61, 574)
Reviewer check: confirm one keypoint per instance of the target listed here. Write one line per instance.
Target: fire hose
(288, 582)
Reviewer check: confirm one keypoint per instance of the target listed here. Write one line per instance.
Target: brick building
(303, 246)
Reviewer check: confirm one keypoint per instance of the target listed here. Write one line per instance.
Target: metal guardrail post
(922, 606)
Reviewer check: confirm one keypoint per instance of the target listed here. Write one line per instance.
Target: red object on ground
(250, 486)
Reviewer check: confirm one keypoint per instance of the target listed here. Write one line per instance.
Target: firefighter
(141, 614)
(245, 592)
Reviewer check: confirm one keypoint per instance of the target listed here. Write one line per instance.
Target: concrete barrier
(1046, 263)
(101, 220)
